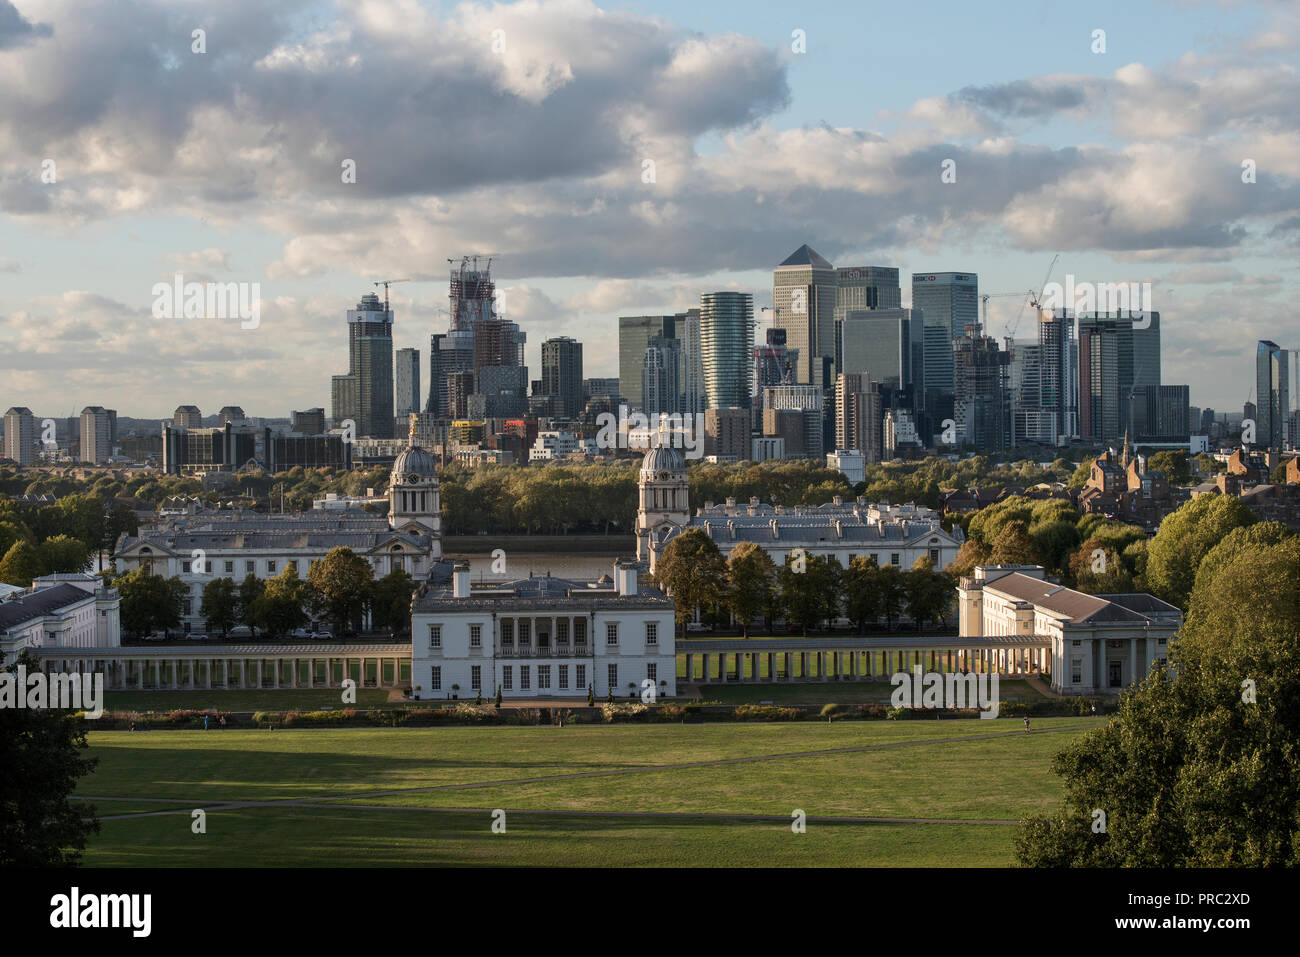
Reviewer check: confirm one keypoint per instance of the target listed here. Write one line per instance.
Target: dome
(413, 466)
(664, 459)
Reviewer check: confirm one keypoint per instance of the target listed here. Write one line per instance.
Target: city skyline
(1142, 138)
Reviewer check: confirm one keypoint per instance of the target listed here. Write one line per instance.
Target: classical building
(234, 544)
(1098, 643)
(542, 638)
(60, 611)
(893, 535)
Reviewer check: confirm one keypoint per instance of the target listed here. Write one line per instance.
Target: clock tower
(414, 502)
(664, 503)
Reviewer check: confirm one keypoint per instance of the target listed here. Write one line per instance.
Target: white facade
(542, 638)
(553, 445)
(61, 611)
(851, 463)
(1100, 644)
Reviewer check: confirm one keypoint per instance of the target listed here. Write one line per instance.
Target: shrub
(766, 712)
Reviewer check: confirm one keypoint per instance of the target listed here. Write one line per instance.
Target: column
(690, 663)
(708, 673)
(722, 667)
(1132, 661)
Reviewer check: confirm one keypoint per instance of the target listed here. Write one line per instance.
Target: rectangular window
(525, 630)
(250, 567)
(652, 671)
(523, 678)
(476, 636)
(507, 678)
(435, 680)
(476, 678)
(934, 557)
(230, 568)
(652, 632)
(507, 631)
(611, 633)
(270, 567)
(1076, 671)
(613, 679)
(564, 677)
(562, 631)
(185, 567)
(435, 637)
(189, 606)
(543, 677)
(893, 558)
(580, 676)
(580, 631)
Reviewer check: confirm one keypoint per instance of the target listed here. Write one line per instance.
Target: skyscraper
(863, 287)
(634, 334)
(1114, 359)
(726, 338)
(661, 389)
(692, 372)
(20, 435)
(365, 393)
(1272, 395)
(949, 302)
(857, 415)
(880, 342)
(562, 373)
(980, 407)
(805, 290)
(98, 434)
(450, 353)
(407, 378)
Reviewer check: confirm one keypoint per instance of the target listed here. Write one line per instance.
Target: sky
(529, 132)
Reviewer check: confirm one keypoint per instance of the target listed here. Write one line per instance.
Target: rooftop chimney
(460, 580)
(625, 574)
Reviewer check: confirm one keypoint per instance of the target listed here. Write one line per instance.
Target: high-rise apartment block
(726, 341)
(20, 435)
(562, 373)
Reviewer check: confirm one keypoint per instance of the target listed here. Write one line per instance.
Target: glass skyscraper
(365, 393)
(726, 344)
(634, 335)
(805, 290)
(949, 301)
(1272, 395)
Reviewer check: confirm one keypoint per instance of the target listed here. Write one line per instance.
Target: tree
(21, 564)
(806, 582)
(751, 575)
(391, 601)
(340, 586)
(1099, 570)
(1174, 463)
(929, 593)
(1013, 546)
(41, 753)
(862, 592)
(247, 606)
(281, 607)
(1198, 768)
(220, 604)
(892, 591)
(1185, 537)
(63, 553)
(693, 570)
(150, 602)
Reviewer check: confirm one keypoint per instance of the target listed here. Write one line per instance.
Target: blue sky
(223, 165)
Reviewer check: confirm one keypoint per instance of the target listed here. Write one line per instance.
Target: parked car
(697, 626)
(302, 633)
(324, 635)
(196, 636)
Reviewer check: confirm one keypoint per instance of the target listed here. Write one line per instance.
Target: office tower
(1058, 378)
(308, 421)
(899, 434)
(407, 378)
(1114, 358)
(449, 353)
(634, 334)
(863, 287)
(726, 338)
(879, 342)
(230, 413)
(365, 393)
(562, 373)
(661, 389)
(20, 435)
(1272, 396)
(804, 293)
(726, 433)
(980, 408)
(807, 400)
(949, 301)
(187, 417)
(605, 388)
(858, 415)
(1207, 421)
(499, 392)
(1161, 413)
(98, 434)
(692, 374)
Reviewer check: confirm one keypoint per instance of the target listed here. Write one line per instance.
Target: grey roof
(414, 460)
(664, 459)
(314, 530)
(538, 592)
(1078, 607)
(805, 255)
(18, 611)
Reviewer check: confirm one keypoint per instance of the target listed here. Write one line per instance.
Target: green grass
(234, 700)
(482, 768)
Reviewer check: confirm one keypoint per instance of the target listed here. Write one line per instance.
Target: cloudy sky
(524, 130)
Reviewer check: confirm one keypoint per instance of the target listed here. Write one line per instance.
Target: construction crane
(386, 283)
(984, 299)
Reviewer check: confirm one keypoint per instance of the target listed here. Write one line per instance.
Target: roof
(805, 255)
(539, 592)
(1076, 606)
(18, 611)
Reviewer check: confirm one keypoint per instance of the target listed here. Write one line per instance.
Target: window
(1077, 643)
(476, 678)
(185, 567)
(611, 633)
(580, 631)
(1076, 670)
(562, 631)
(580, 676)
(525, 630)
(270, 566)
(507, 678)
(564, 677)
(435, 680)
(507, 631)
(189, 606)
(652, 671)
(523, 678)
(613, 679)
(652, 632)
(893, 558)
(230, 568)
(476, 636)
(435, 637)
(250, 567)
(934, 557)
(543, 676)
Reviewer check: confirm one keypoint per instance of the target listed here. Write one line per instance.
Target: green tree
(340, 586)
(693, 570)
(1174, 463)
(805, 581)
(391, 601)
(862, 592)
(21, 564)
(42, 753)
(1014, 546)
(929, 593)
(150, 602)
(751, 575)
(63, 553)
(247, 607)
(282, 606)
(893, 592)
(220, 604)
(1185, 537)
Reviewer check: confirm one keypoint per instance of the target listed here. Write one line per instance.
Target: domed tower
(414, 503)
(664, 497)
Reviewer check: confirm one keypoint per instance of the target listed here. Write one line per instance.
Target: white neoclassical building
(234, 544)
(891, 534)
(1099, 644)
(542, 637)
(61, 611)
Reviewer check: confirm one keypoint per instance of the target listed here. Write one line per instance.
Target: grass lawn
(973, 777)
(249, 700)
